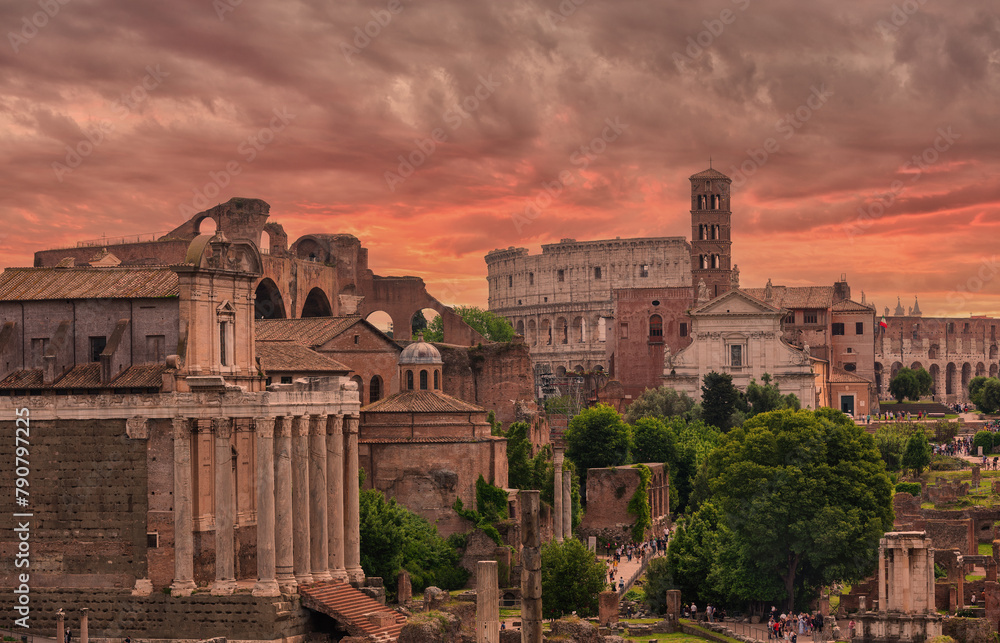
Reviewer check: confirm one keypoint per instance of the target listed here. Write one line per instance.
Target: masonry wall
(496, 376)
(371, 356)
(88, 494)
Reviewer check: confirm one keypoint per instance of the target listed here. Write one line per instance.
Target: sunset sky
(862, 136)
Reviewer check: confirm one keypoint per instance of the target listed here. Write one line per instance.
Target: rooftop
(422, 402)
(795, 296)
(287, 356)
(34, 284)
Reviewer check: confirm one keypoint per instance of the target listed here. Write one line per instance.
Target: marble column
(567, 506)
(335, 496)
(284, 566)
(266, 585)
(904, 567)
(60, 627)
(557, 497)
(300, 499)
(84, 625)
(352, 520)
(183, 583)
(319, 548)
(531, 569)
(225, 512)
(881, 577)
(487, 602)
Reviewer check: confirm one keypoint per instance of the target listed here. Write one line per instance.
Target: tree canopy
(680, 444)
(487, 323)
(985, 394)
(761, 398)
(911, 384)
(662, 402)
(597, 437)
(722, 404)
(572, 579)
(917, 455)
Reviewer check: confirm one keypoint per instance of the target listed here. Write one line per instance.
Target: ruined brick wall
(88, 493)
(496, 376)
(950, 534)
(369, 356)
(153, 253)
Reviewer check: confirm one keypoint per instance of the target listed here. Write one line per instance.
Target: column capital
(181, 427)
(300, 428)
(336, 427)
(352, 424)
(317, 425)
(265, 427)
(557, 456)
(284, 427)
(222, 427)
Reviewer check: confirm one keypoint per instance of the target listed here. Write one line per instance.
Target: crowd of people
(616, 552)
(789, 626)
(957, 447)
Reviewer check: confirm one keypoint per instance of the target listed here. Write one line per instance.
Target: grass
(973, 577)
(699, 628)
(985, 549)
(677, 637)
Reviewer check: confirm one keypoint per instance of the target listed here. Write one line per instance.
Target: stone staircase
(360, 614)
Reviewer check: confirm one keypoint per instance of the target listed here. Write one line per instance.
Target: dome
(420, 353)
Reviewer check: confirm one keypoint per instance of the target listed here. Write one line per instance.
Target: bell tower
(711, 247)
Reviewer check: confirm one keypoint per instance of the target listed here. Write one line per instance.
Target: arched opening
(375, 389)
(602, 329)
(655, 328)
(966, 375)
(361, 387)
(932, 352)
(561, 371)
(562, 331)
(310, 250)
(935, 372)
(546, 337)
(423, 380)
(437, 380)
(532, 337)
(993, 351)
(267, 303)
(426, 325)
(409, 380)
(265, 243)
(915, 365)
(980, 370)
(896, 366)
(317, 304)
(950, 383)
(207, 225)
(993, 370)
(519, 329)
(579, 330)
(578, 369)
(381, 320)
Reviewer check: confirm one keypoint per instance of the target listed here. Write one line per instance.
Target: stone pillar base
(287, 585)
(304, 579)
(143, 587)
(266, 588)
(322, 577)
(223, 587)
(356, 575)
(339, 575)
(183, 588)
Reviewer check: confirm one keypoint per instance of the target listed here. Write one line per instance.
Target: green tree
(491, 326)
(982, 439)
(682, 445)
(691, 555)
(905, 385)
(394, 538)
(520, 463)
(805, 498)
(924, 380)
(491, 508)
(917, 455)
(988, 398)
(597, 437)
(653, 441)
(761, 398)
(572, 579)
(659, 578)
(661, 402)
(721, 403)
(891, 440)
(975, 386)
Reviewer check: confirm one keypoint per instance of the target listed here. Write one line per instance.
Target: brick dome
(420, 353)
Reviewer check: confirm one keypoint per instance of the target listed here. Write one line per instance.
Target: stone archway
(317, 304)
(268, 302)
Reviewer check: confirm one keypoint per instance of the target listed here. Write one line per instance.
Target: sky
(862, 136)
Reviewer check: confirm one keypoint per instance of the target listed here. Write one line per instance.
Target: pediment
(735, 302)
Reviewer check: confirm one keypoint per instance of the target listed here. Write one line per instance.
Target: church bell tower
(711, 247)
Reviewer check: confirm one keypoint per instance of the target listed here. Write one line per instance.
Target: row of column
(307, 504)
(658, 496)
(562, 488)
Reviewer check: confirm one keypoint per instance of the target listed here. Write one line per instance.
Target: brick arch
(993, 370)
(951, 379)
(980, 370)
(268, 300)
(935, 372)
(317, 304)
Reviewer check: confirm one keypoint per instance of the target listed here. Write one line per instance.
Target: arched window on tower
(375, 389)
(437, 381)
(655, 328)
(423, 380)
(715, 261)
(409, 380)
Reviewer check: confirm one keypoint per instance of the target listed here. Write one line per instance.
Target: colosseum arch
(896, 366)
(915, 365)
(966, 375)
(317, 304)
(268, 302)
(519, 327)
(579, 331)
(935, 372)
(993, 370)
(546, 333)
(560, 371)
(980, 370)
(532, 337)
(562, 331)
(951, 379)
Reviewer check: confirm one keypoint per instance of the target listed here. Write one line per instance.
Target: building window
(437, 381)
(850, 366)
(810, 317)
(155, 348)
(736, 355)
(409, 380)
(97, 346)
(624, 328)
(850, 350)
(684, 329)
(656, 328)
(597, 272)
(223, 348)
(951, 327)
(790, 317)
(561, 275)
(966, 328)
(375, 389)
(531, 279)
(644, 270)
(510, 281)
(357, 338)
(423, 380)
(286, 379)
(859, 328)
(838, 328)
(152, 540)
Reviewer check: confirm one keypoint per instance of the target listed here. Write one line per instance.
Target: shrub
(983, 439)
(912, 488)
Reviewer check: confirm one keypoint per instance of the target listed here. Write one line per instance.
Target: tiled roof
(19, 284)
(710, 173)
(88, 376)
(141, 376)
(311, 331)
(422, 402)
(292, 356)
(435, 440)
(795, 296)
(31, 378)
(81, 376)
(842, 376)
(849, 306)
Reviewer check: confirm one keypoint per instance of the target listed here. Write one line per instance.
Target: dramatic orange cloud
(861, 136)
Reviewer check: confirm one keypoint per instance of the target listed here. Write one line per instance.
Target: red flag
(883, 323)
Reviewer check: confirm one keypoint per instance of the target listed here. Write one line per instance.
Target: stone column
(487, 602)
(84, 625)
(904, 557)
(531, 570)
(225, 512)
(567, 506)
(183, 583)
(300, 500)
(266, 585)
(284, 566)
(881, 576)
(335, 497)
(931, 595)
(352, 520)
(60, 627)
(319, 552)
(557, 512)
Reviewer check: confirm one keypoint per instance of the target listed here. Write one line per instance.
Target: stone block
(607, 608)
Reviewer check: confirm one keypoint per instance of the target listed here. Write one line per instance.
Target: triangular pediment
(735, 302)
